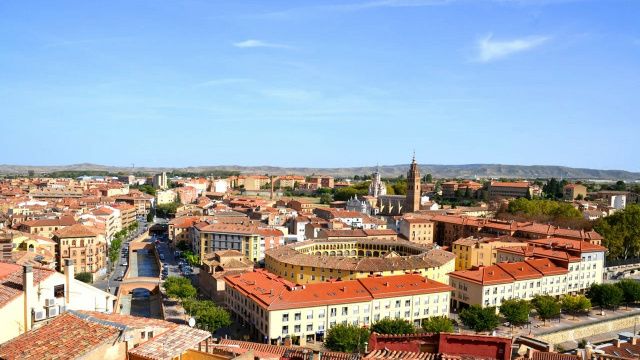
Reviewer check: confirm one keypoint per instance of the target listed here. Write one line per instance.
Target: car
(161, 256)
(119, 278)
(165, 272)
(157, 241)
(125, 255)
(125, 264)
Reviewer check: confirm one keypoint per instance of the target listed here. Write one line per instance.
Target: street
(109, 280)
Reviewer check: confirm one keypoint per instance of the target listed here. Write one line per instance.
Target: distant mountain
(438, 171)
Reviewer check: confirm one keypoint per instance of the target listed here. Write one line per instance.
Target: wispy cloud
(489, 50)
(224, 81)
(258, 43)
(295, 95)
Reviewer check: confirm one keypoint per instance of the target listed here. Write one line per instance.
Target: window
(321, 314)
(285, 317)
(334, 312)
(397, 303)
(309, 327)
(142, 334)
(296, 329)
(58, 291)
(285, 330)
(345, 310)
(310, 314)
(297, 316)
(355, 310)
(407, 314)
(407, 303)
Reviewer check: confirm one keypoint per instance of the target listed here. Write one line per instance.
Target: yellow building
(472, 251)
(320, 260)
(274, 307)
(206, 238)
(165, 197)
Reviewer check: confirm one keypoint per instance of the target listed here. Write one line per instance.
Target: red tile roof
(171, 344)
(11, 280)
(74, 231)
(66, 337)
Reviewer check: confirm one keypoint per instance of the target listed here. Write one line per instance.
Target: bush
(85, 277)
(346, 338)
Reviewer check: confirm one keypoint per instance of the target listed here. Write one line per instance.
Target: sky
(320, 83)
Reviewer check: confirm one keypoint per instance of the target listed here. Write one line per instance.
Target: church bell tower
(413, 187)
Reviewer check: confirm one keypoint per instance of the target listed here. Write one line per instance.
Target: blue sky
(315, 84)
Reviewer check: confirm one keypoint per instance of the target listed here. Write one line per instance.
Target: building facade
(275, 308)
(413, 188)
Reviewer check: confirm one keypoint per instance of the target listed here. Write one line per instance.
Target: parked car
(125, 263)
(119, 278)
(165, 272)
(161, 256)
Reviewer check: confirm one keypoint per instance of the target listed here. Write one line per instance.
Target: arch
(31, 248)
(333, 253)
(82, 243)
(339, 252)
(73, 243)
(360, 252)
(376, 254)
(325, 253)
(318, 253)
(369, 253)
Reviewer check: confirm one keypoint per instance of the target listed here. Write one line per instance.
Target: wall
(580, 332)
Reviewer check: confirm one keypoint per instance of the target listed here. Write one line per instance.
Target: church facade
(377, 187)
(393, 205)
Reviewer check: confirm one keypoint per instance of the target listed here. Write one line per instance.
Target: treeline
(621, 232)
(551, 212)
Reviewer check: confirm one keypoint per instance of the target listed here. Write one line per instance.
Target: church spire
(414, 156)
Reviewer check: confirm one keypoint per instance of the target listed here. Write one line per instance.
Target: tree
(326, 199)
(150, 217)
(31, 173)
(546, 306)
(85, 277)
(621, 232)
(192, 259)
(207, 313)
(346, 338)
(395, 326)
(479, 318)
(179, 287)
(182, 245)
(573, 304)
(437, 324)
(400, 188)
(605, 295)
(515, 311)
(163, 210)
(428, 178)
(579, 197)
(621, 186)
(630, 290)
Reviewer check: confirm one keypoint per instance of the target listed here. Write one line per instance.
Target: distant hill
(438, 171)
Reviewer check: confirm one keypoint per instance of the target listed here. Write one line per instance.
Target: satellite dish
(192, 322)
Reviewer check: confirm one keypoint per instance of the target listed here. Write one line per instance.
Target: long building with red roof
(276, 307)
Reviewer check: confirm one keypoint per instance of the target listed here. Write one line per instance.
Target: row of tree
(116, 242)
(621, 232)
(207, 314)
(544, 207)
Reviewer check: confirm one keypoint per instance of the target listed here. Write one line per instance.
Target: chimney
(27, 288)
(588, 351)
(69, 274)
(344, 288)
(271, 188)
(634, 340)
(616, 343)
(386, 284)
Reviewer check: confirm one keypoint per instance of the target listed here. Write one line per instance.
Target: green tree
(400, 188)
(437, 324)
(31, 173)
(579, 197)
(428, 178)
(576, 303)
(515, 311)
(546, 306)
(326, 199)
(346, 338)
(630, 290)
(621, 186)
(192, 259)
(179, 287)
(605, 295)
(163, 210)
(85, 277)
(207, 313)
(467, 193)
(395, 326)
(150, 217)
(621, 232)
(480, 319)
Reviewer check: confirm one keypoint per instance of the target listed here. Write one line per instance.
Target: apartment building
(84, 246)
(417, 230)
(127, 214)
(140, 201)
(571, 191)
(112, 220)
(448, 229)
(473, 251)
(288, 181)
(508, 189)
(550, 266)
(274, 307)
(321, 181)
(46, 227)
(165, 197)
(491, 285)
(302, 207)
(245, 237)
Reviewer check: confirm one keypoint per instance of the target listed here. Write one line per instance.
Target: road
(109, 282)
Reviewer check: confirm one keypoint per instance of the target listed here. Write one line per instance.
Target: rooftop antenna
(133, 168)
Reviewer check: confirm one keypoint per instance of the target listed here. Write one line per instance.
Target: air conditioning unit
(40, 315)
(49, 302)
(53, 311)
